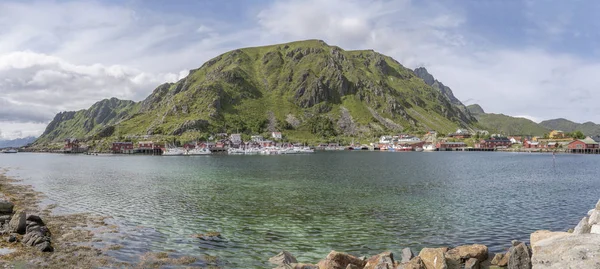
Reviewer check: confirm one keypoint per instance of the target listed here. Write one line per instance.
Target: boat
(429, 148)
(236, 151)
(252, 151)
(198, 151)
(10, 151)
(418, 149)
(304, 149)
(403, 148)
(173, 152)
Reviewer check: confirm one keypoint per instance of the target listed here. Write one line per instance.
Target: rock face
(18, 223)
(583, 227)
(414, 263)
(407, 255)
(6, 207)
(433, 258)
(383, 260)
(340, 260)
(520, 257)
(538, 236)
(472, 263)
(577, 251)
(283, 258)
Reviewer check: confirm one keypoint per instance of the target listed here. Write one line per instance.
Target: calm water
(358, 202)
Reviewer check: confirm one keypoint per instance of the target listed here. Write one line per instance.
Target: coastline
(76, 238)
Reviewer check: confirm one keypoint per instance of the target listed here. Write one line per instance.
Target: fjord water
(359, 202)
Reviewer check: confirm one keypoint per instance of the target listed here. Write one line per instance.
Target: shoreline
(77, 238)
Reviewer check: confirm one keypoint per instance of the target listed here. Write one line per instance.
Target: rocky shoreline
(577, 248)
(33, 237)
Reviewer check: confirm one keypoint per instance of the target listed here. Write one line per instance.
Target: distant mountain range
(15, 143)
(520, 126)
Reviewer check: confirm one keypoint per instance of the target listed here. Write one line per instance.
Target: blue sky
(535, 59)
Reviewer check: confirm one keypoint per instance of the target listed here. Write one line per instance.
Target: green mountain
(500, 123)
(588, 128)
(308, 90)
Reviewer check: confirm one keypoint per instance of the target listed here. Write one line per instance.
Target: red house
(494, 142)
(450, 145)
(583, 144)
(146, 145)
(122, 147)
(531, 145)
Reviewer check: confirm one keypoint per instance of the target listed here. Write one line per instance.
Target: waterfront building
(236, 138)
(587, 143)
(122, 147)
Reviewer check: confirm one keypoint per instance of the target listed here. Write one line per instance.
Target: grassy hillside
(500, 123)
(309, 90)
(588, 128)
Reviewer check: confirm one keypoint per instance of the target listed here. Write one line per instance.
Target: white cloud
(67, 55)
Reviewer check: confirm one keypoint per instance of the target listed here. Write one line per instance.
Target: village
(462, 140)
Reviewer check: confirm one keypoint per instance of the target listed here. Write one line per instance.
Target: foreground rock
(18, 223)
(433, 258)
(383, 260)
(340, 260)
(6, 207)
(575, 251)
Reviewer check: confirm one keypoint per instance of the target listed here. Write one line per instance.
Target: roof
(588, 141)
(453, 143)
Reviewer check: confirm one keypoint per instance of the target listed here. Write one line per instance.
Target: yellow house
(556, 134)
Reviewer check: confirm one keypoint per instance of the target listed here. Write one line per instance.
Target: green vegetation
(311, 91)
(587, 128)
(503, 124)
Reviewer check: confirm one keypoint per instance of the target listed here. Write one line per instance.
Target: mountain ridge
(311, 90)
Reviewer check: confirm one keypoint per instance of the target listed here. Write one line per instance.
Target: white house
(409, 139)
(276, 135)
(236, 138)
(385, 139)
(257, 138)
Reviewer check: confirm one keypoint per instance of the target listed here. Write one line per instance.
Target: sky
(538, 59)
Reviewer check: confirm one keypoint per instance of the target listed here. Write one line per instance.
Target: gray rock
(36, 219)
(407, 254)
(598, 205)
(5, 218)
(11, 238)
(6, 207)
(578, 251)
(520, 257)
(283, 258)
(472, 263)
(595, 229)
(45, 247)
(497, 258)
(515, 243)
(17, 223)
(590, 212)
(583, 227)
(594, 218)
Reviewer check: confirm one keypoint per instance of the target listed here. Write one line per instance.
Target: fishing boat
(429, 148)
(198, 151)
(419, 149)
(10, 151)
(173, 152)
(403, 148)
(236, 151)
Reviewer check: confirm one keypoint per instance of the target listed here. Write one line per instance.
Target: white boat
(173, 152)
(418, 149)
(304, 150)
(236, 151)
(252, 151)
(429, 148)
(10, 151)
(270, 151)
(198, 151)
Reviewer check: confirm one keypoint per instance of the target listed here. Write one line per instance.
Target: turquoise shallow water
(358, 202)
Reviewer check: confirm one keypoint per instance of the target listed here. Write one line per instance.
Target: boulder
(45, 247)
(580, 251)
(352, 266)
(407, 255)
(504, 261)
(36, 219)
(414, 263)
(538, 236)
(6, 207)
(339, 260)
(283, 258)
(11, 238)
(383, 260)
(5, 218)
(520, 257)
(594, 218)
(595, 229)
(433, 258)
(472, 263)
(480, 252)
(583, 227)
(17, 223)
(497, 258)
